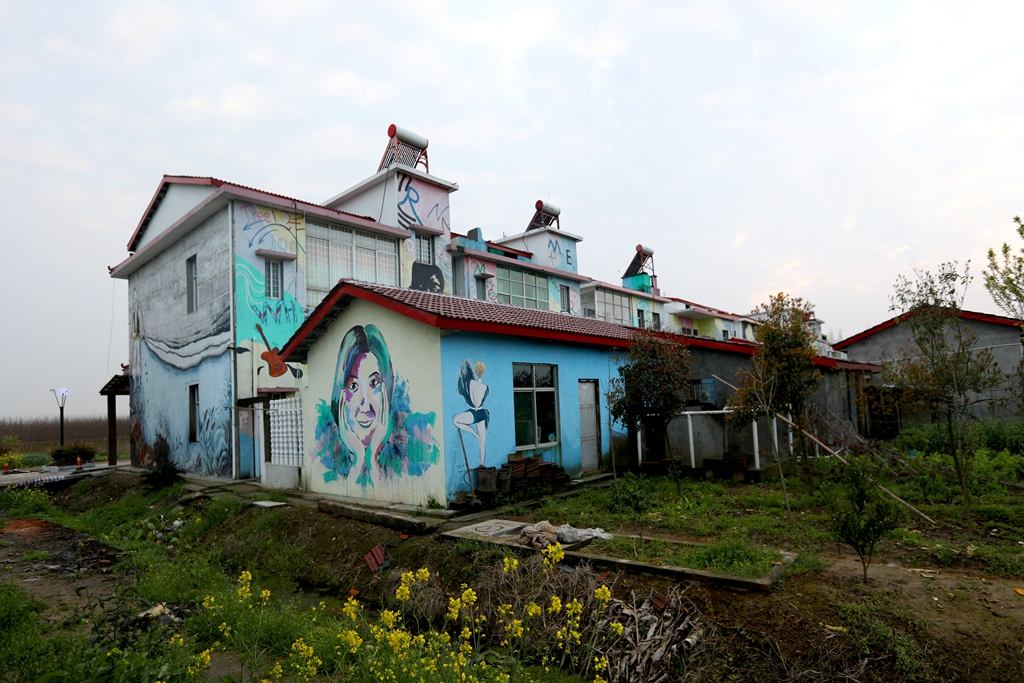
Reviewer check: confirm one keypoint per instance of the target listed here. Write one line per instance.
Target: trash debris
(543, 534)
(970, 550)
(268, 504)
(652, 641)
(1019, 591)
(835, 629)
(375, 558)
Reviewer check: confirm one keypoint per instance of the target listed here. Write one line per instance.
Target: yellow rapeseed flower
(603, 595)
(616, 628)
(351, 608)
(389, 618)
(402, 592)
(533, 609)
(468, 597)
(511, 564)
(556, 604)
(423, 574)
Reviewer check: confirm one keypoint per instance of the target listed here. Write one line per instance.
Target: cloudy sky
(820, 148)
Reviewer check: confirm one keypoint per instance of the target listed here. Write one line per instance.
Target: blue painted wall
(160, 415)
(498, 353)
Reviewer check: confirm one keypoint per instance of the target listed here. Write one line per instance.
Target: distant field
(40, 435)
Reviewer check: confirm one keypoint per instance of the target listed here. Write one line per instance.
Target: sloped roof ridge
(217, 182)
(885, 324)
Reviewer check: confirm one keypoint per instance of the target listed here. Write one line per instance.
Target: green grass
(35, 556)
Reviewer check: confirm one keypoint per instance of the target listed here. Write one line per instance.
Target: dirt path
(71, 561)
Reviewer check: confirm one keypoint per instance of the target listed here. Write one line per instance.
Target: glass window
(656, 320)
(535, 404)
(425, 249)
(193, 413)
(641, 321)
(522, 288)
(566, 306)
(612, 307)
(334, 254)
(273, 279)
(191, 285)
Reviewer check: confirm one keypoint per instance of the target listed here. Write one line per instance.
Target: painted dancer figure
(477, 419)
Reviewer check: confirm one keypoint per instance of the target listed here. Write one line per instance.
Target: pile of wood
(523, 474)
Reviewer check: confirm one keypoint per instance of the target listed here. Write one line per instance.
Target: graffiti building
(361, 346)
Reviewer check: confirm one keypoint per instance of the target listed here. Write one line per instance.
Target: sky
(817, 148)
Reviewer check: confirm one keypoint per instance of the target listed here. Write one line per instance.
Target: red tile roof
(458, 313)
(452, 312)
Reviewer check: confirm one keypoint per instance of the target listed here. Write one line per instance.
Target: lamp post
(62, 396)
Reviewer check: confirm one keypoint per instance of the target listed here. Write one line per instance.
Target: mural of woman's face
(364, 409)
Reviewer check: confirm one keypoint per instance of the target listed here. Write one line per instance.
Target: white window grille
(334, 254)
(286, 447)
(425, 249)
(273, 281)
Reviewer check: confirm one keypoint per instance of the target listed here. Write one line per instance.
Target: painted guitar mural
(272, 356)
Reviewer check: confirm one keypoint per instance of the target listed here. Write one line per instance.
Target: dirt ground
(965, 626)
(76, 566)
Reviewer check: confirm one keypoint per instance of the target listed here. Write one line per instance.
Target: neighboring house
(405, 389)
(885, 341)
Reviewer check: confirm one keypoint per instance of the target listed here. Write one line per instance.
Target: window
(191, 284)
(193, 413)
(536, 404)
(334, 253)
(704, 390)
(641, 322)
(725, 334)
(587, 303)
(566, 303)
(425, 249)
(522, 288)
(273, 281)
(607, 306)
(481, 289)
(656, 320)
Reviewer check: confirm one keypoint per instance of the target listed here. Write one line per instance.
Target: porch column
(111, 429)
(757, 447)
(689, 429)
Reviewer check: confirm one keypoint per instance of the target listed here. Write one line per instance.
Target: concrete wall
(264, 228)
(498, 353)
(376, 439)
(179, 200)
(171, 349)
(422, 203)
(1002, 340)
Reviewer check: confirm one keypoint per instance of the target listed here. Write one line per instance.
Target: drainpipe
(234, 354)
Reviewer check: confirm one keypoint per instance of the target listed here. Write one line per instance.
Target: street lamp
(62, 396)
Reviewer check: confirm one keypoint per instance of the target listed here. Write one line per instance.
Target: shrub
(863, 516)
(9, 443)
(69, 454)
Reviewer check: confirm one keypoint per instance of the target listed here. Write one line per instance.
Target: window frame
(641, 317)
(344, 246)
(540, 291)
(191, 285)
(533, 391)
(565, 296)
(425, 245)
(273, 289)
(193, 413)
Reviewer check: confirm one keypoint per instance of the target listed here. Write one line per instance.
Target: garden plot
(729, 565)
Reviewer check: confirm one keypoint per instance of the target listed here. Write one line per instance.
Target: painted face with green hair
(361, 399)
